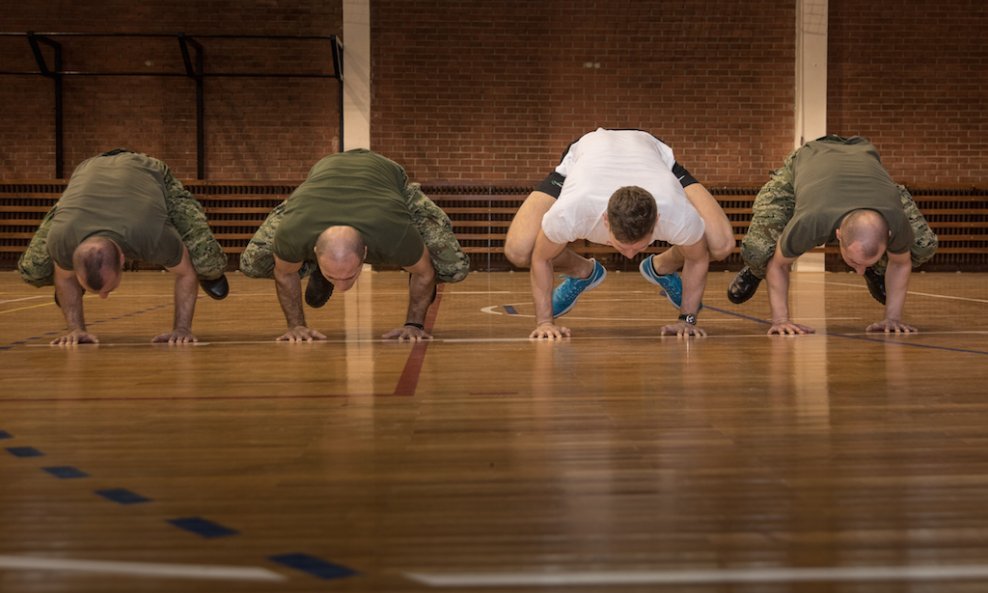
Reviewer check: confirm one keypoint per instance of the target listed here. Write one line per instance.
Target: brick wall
(256, 128)
(912, 75)
(492, 92)
(495, 91)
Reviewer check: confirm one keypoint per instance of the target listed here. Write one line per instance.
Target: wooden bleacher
(481, 215)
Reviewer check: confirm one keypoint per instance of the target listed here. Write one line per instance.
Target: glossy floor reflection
(482, 461)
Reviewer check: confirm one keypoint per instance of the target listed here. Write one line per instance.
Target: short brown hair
(631, 214)
(96, 255)
(867, 228)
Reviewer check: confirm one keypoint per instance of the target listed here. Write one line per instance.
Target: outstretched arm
(288, 285)
(695, 265)
(540, 275)
(69, 293)
(777, 277)
(896, 283)
(420, 286)
(186, 291)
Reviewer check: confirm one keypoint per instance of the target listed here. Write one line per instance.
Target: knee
(519, 256)
(37, 281)
(216, 269)
(925, 250)
(721, 249)
(252, 271)
(253, 266)
(756, 255)
(36, 273)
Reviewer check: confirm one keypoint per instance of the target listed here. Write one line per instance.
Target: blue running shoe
(671, 284)
(565, 295)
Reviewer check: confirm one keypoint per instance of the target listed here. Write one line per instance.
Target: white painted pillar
(811, 90)
(356, 74)
(358, 310)
(807, 292)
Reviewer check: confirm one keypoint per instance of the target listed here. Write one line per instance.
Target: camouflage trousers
(184, 212)
(774, 207)
(448, 259)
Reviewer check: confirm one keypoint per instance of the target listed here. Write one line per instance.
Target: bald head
(340, 252)
(97, 262)
(866, 231)
(340, 243)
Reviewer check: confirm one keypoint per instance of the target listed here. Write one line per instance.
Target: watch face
(691, 319)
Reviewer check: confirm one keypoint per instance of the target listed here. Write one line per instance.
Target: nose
(342, 285)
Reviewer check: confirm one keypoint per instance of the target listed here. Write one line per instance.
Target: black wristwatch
(689, 318)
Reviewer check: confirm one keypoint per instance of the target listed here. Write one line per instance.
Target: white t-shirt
(599, 163)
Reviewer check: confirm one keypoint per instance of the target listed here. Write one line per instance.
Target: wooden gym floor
(613, 461)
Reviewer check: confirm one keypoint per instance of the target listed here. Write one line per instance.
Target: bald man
(834, 189)
(355, 207)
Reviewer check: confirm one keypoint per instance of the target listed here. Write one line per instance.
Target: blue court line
(311, 565)
(66, 472)
(509, 309)
(122, 496)
(316, 567)
(203, 527)
(24, 452)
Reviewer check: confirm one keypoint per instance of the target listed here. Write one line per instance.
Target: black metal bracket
(193, 59)
(55, 74)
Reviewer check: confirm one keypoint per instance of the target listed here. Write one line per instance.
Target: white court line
(699, 577)
(903, 338)
(729, 319)
(28, 298)
(926, 294)
(142, 569)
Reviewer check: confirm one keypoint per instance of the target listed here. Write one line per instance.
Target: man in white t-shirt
(621, 188)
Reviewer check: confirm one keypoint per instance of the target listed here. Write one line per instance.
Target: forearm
(694, 283)
(288, 286)
(186, 291)
(419, 297)
(777, 277)
(540, 275)
(896, 283)
(70, 299)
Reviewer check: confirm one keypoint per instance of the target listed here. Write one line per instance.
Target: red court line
(409, 379)
(407, 383)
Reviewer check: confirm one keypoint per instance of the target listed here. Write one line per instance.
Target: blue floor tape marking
(5, 435)
(122, 496)
(203, 527)
(509, 309)
(24, 452)
(66, 472)
(314, 566)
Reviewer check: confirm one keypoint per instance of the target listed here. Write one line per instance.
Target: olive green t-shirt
(121, 197)
(356, 188)
(830, 179)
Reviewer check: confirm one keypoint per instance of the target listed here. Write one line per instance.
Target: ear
(838, 234)
(607, 223)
